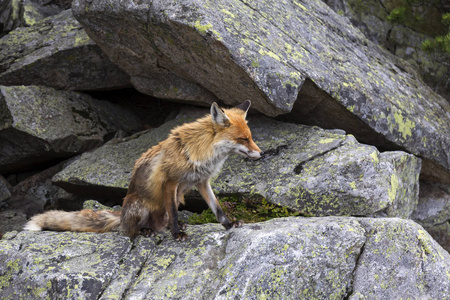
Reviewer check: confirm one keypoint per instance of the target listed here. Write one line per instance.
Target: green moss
(228, 13)
(269, 53)
(15, 4)
(351, 108)
(300, 5)
(404, 125)
(164, 262)
(12, 267)
(39, 292)
(424, 242)
(374, 155)
(392, 192)
(327, 140)
(81, 39)
(247, 209)
(30, 15)
(202, 28)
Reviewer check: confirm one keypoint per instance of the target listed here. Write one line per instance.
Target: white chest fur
(203, 170)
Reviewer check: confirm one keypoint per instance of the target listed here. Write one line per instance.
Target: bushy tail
(85, 220)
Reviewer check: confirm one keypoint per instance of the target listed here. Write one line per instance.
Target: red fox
(190, 156)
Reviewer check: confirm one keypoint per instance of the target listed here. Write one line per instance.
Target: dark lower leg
(175, 225)
(223, 219)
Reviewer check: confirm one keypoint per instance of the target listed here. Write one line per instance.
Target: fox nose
(262, 154)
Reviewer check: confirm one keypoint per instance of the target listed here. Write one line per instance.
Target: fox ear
(244, 106)
(218, 116)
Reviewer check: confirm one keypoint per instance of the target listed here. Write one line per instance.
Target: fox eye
(243, 139)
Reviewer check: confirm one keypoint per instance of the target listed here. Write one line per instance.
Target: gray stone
(320, 173)
(10, 220)
(57, 52)
(433, 211)
(400, 260)
(25, 13)
(268, 52)
(310, 170)
(290, 258)
(55, 264)
(434, 204)
(441, 234)
(36, 192)
(40, 124)
(403, 40)
(95, 205)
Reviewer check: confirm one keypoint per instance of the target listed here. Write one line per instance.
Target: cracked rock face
(265, 52)
(57, 52)
(40, 124)
(314, 171)
(290, 258)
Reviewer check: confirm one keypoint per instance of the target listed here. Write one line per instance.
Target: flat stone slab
(41, 124)
(290, 258)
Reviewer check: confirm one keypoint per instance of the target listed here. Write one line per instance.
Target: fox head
(232, 131)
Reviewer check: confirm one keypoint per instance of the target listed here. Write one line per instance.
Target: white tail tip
(32, 226)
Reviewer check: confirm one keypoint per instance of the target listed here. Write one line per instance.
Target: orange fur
(191, 154)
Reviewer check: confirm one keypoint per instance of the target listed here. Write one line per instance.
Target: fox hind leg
(134, 215)
(171, 202)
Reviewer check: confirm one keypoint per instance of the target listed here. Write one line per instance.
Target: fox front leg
(172, 210)
(208, 195)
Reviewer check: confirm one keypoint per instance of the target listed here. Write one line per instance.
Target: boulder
(10, 220)
(57, 52)
(290, 258)
(319, 172)
(40, 124)
(37, 192)
(400, 260)
(31, 195)
(25, 13)
(433, 211)
(403, 38)
(314, 171)
(298, 57)
(441, 234)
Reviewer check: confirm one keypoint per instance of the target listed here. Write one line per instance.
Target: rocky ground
(357, 145)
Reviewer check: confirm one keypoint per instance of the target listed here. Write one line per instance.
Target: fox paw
(180, 236)
(233, 224)
(147, 232)
(238, 223)
(182, 225)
